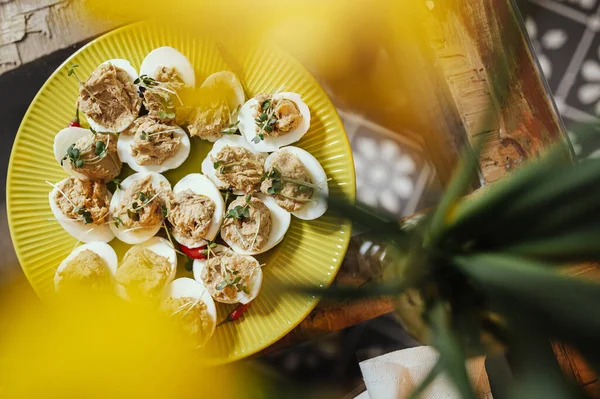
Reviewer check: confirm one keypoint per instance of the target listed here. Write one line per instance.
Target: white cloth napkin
(396, 374)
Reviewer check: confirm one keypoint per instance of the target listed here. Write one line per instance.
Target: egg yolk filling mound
(238, 168)
(142, 205)
(280, 116)
(190, 215)
(143, 273)
(284, 181)
(109, 97)
(154, 142)
(83, 200)
(227, 274)
(192, 315)
(248, 223)
(87, 269)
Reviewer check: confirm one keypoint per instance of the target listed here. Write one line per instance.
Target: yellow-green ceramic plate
(311, 252)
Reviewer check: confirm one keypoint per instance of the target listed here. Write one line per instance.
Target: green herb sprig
(277, 180)
(240, 212)
(71, 72)
(149, 83)
(265, 121)
(231, 129)
(85, 214)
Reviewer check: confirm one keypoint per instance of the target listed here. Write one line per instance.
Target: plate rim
(231, 357)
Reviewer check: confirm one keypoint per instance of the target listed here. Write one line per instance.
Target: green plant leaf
(452, 358)
(538, 375)
(457, 188)
(486, 205)
(578, 246)
(378, 224)
(564, 308)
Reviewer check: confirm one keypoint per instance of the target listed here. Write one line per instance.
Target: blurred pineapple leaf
(536, 370)
(457, 188)
(452, 358)
(563, 307)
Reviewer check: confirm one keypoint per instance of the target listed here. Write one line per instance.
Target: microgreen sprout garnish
(164, 226)
(85, 215)
(240, 212)
(208, 250)
(134, 212)
(100, 148)
(165, 211)
(231, 129)
(169, 114)
(146, 82)
(231, 278)
(118, 222)
(227, 194)
(223, 167)
(277, 180)
(71, 72)
(265, 121)
(148, 136)
(117, 183)
(258, 138)
(74, 154)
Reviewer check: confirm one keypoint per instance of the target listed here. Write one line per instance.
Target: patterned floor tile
(391, 170)
(585, 93)
(555, 38)
(585, 6)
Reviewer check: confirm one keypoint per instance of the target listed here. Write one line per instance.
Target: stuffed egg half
(139, 207)
(229, 277)
(196, 211)
(269, 122)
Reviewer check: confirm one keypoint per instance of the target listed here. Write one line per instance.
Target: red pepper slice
(75, 121)
(194, 253)
(236, 313)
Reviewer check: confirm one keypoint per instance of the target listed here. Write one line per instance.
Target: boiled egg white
(161, 247)
(103, 250)
(169, 57)
(280, 223)
(189, 288)
(136, 235)
(124, 151)
(82, 232)
(317, 206)
(227, 82)
(201, 185)
(247, 125)
(254, 284)
(230, 140)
